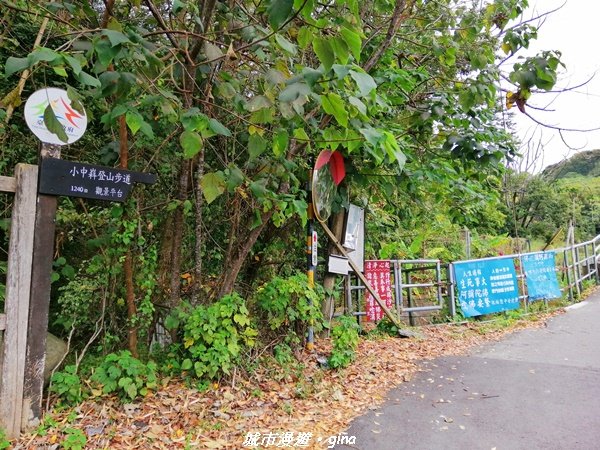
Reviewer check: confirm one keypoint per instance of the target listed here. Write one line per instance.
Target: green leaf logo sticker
(53, 118)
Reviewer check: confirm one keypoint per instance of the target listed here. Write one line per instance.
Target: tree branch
(399, 13)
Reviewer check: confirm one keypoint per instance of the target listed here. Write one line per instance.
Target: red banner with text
(377, 273)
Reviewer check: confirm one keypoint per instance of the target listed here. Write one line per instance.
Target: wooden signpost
(31, 248)
(75, 179)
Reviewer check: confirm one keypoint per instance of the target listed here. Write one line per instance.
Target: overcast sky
(575, 31)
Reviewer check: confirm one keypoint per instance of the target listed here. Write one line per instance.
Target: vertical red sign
(377, 273)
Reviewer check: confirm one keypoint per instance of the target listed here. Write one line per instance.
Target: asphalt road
(536, 389)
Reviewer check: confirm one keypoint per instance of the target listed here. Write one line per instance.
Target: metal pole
(347, 283)
(574, 258)
(594, 250)
(401, 330)
(438, 269)
(577, 263)
(397, 293)
(523, 285)
(587, 259)
(566, 266)
(411, 319)
(399, 290)
(467, 243)
(310, 260)
(451, 291)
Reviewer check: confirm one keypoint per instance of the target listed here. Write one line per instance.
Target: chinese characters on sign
(81, 173)
(486, 287)
(377, 273)
(289, 439)
(74, 179)
(540, 274)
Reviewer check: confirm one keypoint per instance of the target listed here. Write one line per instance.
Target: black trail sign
(75, 179)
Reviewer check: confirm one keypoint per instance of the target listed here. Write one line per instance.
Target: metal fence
(419, 285)
(428, 285)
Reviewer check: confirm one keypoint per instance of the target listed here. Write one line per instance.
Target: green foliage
(344, 336)
(282, 353)
(584, 163)
(125, 375)
(78, 303)
(230, 127)
(75, 439)
(290, 306)
(541, 206)
(386, 326)
(4, 442)
(215, 336)
(67, 385)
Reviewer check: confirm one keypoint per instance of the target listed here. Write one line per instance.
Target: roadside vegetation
(192, 294)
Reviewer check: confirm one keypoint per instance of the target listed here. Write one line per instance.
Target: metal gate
(419, 286)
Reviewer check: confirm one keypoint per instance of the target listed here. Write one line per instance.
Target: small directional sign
(75, 179)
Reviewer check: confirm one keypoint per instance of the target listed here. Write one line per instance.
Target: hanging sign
(73, 122)
(486, 286)
(377, 273)
(75, 179)
(540, 275)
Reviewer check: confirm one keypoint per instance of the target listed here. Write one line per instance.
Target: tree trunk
(199, 234)
(131, 307)
(189, 75)
(244, 244)
(132, 332)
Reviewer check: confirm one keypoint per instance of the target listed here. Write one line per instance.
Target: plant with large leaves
(229, 101)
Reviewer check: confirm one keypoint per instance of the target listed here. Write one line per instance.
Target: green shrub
(291, 306)
(387, 327)
(67, 385)
(4, 442)
(283, 354)
(345, 340)
(75, 439)
(214, 336)
(125, 375)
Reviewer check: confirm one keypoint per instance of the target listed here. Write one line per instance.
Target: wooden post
(43, 254)
(18, 286)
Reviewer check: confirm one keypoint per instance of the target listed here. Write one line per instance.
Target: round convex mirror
(323, 190)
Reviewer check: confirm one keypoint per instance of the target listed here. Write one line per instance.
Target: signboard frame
(486, 286)
(540, 276)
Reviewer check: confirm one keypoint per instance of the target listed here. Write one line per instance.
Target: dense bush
(215, 336)
(345, 340)
(125, 375)
(289, 306)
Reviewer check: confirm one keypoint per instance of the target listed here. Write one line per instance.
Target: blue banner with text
(486, 286)
(540, 274)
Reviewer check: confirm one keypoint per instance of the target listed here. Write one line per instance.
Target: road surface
(536, 389)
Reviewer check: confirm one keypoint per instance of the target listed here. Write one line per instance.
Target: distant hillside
(584, 164)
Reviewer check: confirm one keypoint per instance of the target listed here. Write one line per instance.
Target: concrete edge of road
(576, 305)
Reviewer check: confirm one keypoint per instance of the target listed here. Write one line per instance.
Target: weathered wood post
(32, 248)
(18, 287)
(37, 329)
(42, 111)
